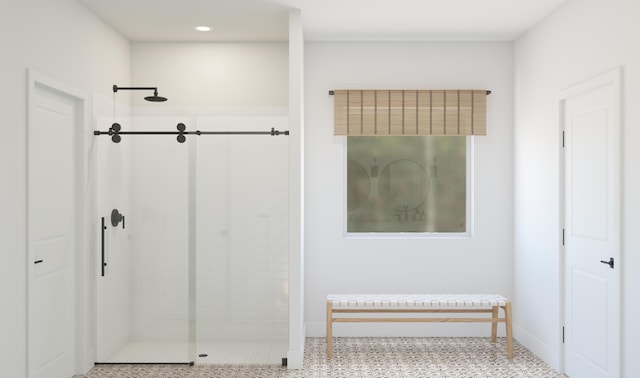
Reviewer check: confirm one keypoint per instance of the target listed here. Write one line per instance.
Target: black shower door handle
(102, 264)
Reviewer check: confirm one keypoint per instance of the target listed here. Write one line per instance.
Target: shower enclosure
(197, 269)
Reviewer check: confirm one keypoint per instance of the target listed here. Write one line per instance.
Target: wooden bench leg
(507, 315)
(494, 324)
(329, 329)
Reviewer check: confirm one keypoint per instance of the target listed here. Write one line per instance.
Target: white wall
(581, 40)
(206, 75)
(338, 264)
(64, 41)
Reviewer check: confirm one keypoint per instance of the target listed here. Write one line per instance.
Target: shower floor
(264, 353)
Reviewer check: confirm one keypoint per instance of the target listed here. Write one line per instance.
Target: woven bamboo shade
(410, 112)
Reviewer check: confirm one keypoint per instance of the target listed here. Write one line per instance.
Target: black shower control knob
(116, 127)
(181, 127)
(181, 138)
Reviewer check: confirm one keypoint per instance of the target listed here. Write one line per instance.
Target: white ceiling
(324, 20)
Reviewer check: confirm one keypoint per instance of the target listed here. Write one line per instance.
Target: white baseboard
(545, 352)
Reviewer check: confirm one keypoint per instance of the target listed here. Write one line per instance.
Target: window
(401, 184)
(409, 154)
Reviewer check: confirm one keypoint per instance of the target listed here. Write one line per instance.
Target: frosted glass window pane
(406, 184)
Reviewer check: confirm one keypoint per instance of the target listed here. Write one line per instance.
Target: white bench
(419, 304)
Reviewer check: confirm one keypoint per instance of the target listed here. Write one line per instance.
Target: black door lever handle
(610, 262)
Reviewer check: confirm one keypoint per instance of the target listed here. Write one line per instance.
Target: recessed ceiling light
(203, 28)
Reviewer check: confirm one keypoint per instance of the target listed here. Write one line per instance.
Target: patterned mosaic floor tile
(371, 357)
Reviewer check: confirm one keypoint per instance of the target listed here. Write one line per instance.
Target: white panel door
(592, 234)
(51, 234)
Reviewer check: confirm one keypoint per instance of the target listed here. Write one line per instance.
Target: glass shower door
(240, 186)
(145, 310)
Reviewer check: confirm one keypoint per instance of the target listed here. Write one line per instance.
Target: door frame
(38, 81)
(612, 77)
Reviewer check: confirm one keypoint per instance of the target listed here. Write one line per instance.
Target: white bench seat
(419, 304)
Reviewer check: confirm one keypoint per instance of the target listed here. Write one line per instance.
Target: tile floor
(375, 357)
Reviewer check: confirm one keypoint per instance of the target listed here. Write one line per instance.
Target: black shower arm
(117, 88)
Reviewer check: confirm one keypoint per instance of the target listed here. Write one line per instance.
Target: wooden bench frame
(493, 310)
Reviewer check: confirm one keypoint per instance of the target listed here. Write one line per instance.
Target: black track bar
(114, 132)
(197, 132)
(273, 132)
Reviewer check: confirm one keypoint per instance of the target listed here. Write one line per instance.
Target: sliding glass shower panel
(145, 314)
(241, 232)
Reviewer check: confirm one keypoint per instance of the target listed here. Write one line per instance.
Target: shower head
(154, 98)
